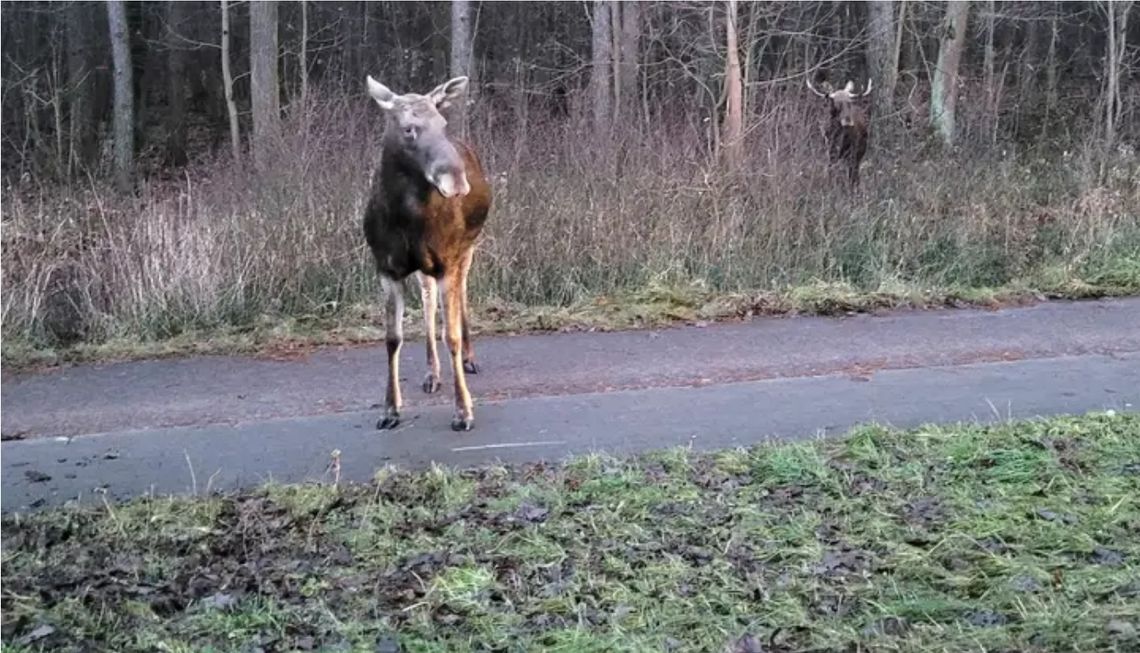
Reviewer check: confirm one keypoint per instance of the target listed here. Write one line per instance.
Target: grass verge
(1021, 536)
(657, 305)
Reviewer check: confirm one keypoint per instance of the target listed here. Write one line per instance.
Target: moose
(428, 202)
(849, 127)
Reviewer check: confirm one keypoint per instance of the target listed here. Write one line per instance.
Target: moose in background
(849, 127)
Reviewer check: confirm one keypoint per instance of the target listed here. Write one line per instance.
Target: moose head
(418, 131)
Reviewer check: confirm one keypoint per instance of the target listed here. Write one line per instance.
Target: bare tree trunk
(461, 55)
(228, 83)
(629, 54)
(1050, 75)
(880, 45)
(944, 86)
(1028, 68)
(1110, 77)
(303, 64)
(912, 55)
(1121, 53)
(989, 81)
(753, 52)
(176, 84)
(361, 50)
(900, 33)
(615, 59)
(264, 91)
(1115, 58)
(600, 69)
(80, 77)
(124, 118)
(734, 113)
(57, 87)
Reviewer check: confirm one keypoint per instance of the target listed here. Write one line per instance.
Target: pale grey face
(416, 126)
(847, 106)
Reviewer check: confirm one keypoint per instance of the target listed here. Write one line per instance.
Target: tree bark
(900, 33)
(228, 84)
(989, 80)
(600, 69)
(303, 63)
(264, 91)
(124, 121)
(1051, 75)
(912, 54)
(880, 46)
(177, 84)
(461, 57)
(629, 54)
(615, 60)
(1115, 56)
(1028, 67)
(733, 138)
(81, 79)
(944, 86)
(1110, 77)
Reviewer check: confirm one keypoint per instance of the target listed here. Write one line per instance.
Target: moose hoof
(461, 423)
(431, 383)
(470, 367)
(388, 421)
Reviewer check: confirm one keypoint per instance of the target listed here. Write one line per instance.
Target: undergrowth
(224, 254)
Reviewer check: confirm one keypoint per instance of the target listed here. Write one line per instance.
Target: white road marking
(510, 445)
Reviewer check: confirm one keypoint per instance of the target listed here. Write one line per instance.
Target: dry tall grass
(226, 246)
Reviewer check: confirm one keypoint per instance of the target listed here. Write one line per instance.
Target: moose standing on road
(849, 127)
(428, 203)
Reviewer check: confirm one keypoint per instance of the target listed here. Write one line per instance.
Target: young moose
(849, 127)
(428, 203)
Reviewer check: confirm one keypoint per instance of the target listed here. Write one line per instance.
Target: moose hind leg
(394, 338)
(453, 332)
(469, 365)
(429, 292)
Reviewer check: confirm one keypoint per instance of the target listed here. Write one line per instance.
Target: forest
(194, 172)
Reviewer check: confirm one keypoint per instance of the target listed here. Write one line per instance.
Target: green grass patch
(1015, 537)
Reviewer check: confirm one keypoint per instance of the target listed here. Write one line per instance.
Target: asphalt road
(208, 423)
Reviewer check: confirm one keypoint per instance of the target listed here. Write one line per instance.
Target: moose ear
(382, 94)
(448, 93)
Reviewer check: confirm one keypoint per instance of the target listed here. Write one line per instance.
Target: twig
(334, 466)
(193, 477)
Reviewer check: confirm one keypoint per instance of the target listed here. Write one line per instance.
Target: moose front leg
(429, 292)
(468, 348)
(452, 287)
(394, 338)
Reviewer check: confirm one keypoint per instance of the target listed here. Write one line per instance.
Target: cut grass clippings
(658, 305)
(1018, 537)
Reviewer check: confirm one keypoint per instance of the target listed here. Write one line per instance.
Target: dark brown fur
(848, 143)
(410, 227)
